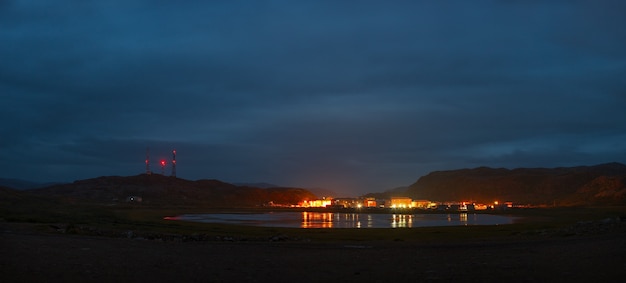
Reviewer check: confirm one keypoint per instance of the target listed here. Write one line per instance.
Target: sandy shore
(30, 256)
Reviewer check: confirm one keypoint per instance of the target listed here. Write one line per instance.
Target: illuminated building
(346, 202)
(480, 206)
(422, 204)
(317, 203)
(369, 202)
(467, 206)
(401, 202)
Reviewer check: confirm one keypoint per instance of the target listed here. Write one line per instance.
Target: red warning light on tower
(174, 163)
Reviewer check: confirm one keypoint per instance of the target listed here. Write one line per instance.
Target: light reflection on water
(346, 220)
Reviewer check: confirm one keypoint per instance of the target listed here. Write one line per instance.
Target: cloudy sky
(352, 96)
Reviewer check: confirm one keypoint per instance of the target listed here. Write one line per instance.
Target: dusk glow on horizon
(350, 97)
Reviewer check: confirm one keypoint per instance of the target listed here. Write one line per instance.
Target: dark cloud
(352, 97)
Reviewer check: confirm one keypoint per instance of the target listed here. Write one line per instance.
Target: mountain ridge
(603, 184)
(19, 184)
(165, 190)
(580, 185)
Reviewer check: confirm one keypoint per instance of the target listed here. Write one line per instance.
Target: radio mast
(163, 162)
(148, 161)
(174, 163)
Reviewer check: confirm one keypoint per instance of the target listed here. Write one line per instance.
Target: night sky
(351, 96)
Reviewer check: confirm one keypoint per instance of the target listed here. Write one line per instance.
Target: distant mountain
(603, 184)
(23, 184)
(398, 190)
(395, 192)
(322, 193)
(165, 190)
(319, 192)
(257, 185)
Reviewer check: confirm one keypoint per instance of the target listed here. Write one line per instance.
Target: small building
(382, 203)
(467, 206)
(421, 204)
(369, 202)
(480, 206)
(317, 203)
(401, 202)
(454, 207)
(346, 202)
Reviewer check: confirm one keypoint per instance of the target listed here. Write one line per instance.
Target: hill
(398, 191)
(603, 184)
(18, 184)
(163, 190)
(8, 194)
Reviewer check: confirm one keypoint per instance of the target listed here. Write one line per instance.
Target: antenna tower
(163, 167)
(174, 163)
(148, 161)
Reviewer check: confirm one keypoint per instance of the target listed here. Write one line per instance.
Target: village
(404, 203)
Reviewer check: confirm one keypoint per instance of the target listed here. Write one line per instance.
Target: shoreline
(29, 254)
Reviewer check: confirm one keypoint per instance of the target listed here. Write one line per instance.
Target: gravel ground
(30, 256)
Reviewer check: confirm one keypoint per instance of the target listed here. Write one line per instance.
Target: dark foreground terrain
(32, 255)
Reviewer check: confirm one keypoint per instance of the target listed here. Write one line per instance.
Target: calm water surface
(346, 220)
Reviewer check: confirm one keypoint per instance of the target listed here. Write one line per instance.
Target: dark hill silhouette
(321, 192)
(157, 189)
(18, 184)
(603, 184)
(398, 191)
(257, 185)
(9, 194)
